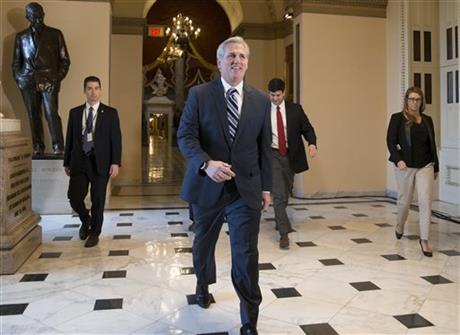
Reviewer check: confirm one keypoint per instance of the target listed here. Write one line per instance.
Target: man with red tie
(289, 124)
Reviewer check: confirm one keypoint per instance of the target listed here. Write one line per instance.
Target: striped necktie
(232, 112)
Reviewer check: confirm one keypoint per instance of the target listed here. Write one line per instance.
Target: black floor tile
(175, 223)
(34, 277)
(316, 217)
(393, 257)
(330, 261)
(114, 274)
(383, 225)
(126, 214)
(269, 219)
(457, 233)
(318, 329)
(412, 237)
(340, 207)
(50, 255)
(121, 237)
(359, 215)
(191, 299)
(182, 250)
(365, 286)
(450, 252)
(72, 225)
(300, 209)
(179, 235)
(118, 252)
(124, 224)
(413, 320)
(287, 292)
(378, 205)
(361, 240)
(266, 266)
(435, 280)
(337, 227)
(102, 304)
(187, 271)
(172, 213)
(62, 238)
(13, 309)
(306, 244)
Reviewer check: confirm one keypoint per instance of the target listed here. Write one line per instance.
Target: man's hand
(114, 168)
(266, 200)
(312, 151)
(219, 171)
(67, 170)
(402, 165)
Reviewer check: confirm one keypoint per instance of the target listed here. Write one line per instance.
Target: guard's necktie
(281, 136)
(232, 112)
(88, 145)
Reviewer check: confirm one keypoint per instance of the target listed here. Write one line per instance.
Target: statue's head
(35, 13)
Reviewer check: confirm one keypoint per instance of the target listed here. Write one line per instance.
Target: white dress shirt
(239, 96)
(275, 124)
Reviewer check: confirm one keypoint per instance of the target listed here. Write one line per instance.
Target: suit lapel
(80, 119)
(221, 108)
(245, 110)
(289, 122)
(100, 118)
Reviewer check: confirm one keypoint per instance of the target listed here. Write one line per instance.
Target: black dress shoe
(398, 235)
(203, 298)
(84, 229)
(248, 330)
(426, 253)
(92, 241)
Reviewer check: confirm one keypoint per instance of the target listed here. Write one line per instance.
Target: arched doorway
(166, 83)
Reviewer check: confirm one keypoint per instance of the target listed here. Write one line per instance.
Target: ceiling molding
(366, 8)
(128, 25)
(264, 31)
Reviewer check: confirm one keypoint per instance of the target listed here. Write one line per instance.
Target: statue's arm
(17, 58)
(64, 57)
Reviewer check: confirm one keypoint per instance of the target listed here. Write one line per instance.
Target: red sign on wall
(155, 31)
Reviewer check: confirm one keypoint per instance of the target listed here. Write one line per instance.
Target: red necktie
(281, 137)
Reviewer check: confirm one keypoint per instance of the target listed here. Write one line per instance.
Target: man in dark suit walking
(40, 62)
(289, 123)
(92, 155)
(225, 135)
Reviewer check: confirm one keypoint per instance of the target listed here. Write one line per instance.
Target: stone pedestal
(20, 233)
(49, 186)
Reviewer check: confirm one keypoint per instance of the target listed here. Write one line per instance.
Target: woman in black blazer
(411, 142)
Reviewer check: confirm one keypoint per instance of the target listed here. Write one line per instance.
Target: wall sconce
(288, 13)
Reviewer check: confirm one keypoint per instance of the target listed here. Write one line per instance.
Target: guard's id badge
(89, 137)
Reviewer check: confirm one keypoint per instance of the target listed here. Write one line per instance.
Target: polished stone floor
(345, 273)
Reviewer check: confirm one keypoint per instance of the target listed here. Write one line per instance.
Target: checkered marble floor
(345, 273)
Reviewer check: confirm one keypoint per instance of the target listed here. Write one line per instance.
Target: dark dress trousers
(285, 167)
(399, 140)
(39, 66)
(203, 135)
(93, 169)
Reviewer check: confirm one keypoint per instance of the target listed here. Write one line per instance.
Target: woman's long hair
(411, 118)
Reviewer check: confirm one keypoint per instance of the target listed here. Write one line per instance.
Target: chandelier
(180, 33)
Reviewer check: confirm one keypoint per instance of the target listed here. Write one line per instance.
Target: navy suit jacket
(298, 125)
(107, 139)
(203, 135)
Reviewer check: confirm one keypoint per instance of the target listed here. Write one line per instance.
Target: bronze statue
(40, 62)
